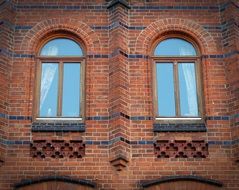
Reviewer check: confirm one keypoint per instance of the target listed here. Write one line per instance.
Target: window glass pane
(165, 88)
(187, 89)
(175, 47)
(71, 90)
(49, 90)
(61, 47)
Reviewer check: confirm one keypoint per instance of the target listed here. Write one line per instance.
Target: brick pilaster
(119, 83)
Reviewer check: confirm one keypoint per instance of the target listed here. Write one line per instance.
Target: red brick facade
(119, 145)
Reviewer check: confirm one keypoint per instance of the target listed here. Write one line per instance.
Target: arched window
(60, 80)
(177, 84)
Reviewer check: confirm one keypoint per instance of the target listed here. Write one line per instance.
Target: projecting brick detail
(119, 162)
(181, 149)
(57, 149)
(162, 26)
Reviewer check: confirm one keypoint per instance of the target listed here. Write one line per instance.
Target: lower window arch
(55, 182)
(182, 183)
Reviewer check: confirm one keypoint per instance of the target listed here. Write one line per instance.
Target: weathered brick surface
(118, 43)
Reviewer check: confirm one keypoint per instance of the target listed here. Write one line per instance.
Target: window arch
(177, 88)
(60, 79)
(185, 182)
(55, 182)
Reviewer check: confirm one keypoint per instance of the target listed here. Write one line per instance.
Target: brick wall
(230, 46)
(6, 50)
(118, 135)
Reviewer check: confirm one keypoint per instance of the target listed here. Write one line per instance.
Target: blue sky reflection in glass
(61, 47)
(175, 47)
(71, 90)
(165, 86)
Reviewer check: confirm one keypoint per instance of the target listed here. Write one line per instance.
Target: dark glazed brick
(218, 118)
(58, 127)
(179, 127)
(114, 3)
(216, 8)
(55, 178)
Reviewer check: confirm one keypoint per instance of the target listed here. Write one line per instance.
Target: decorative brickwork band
(181, 149)
(57, 149)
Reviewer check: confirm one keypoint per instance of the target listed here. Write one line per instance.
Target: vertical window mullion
(60, 87)
(176, 88)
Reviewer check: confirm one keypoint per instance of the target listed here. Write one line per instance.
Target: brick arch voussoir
(154, 30)
(80, 29)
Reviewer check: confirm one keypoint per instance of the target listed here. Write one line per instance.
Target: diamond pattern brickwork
(181, 149)
(57, 148)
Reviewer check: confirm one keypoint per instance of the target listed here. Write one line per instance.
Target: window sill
(179, 127)
(56, 119)
(58, 126)
(184, 119)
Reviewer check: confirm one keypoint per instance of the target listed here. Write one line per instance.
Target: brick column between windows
(118, 85)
